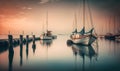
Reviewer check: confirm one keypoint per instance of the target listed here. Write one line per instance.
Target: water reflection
(34, 47)
(27, 46)
(27, 49)
(47, 43)
(21, 54)
(11, 55)
(50, 56)
(3, 49)
(84, 51)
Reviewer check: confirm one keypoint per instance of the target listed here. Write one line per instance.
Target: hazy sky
(30, 15)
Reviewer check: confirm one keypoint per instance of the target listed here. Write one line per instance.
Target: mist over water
(29, 17)
(60, 16)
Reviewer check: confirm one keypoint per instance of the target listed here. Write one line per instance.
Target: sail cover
(90, 31)
(75, 31)
(82, 32)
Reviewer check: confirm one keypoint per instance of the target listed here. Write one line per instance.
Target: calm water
(55, 55)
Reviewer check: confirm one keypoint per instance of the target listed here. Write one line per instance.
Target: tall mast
(83, 13)
(114, 25)
(90, 14)
(43, 26)
(75, 21)
(109, 25)
(47, 21)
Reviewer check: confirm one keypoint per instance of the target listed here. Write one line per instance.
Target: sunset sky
(30, 15)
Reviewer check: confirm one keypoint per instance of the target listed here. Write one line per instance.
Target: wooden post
(27, 38)
(11, 51)
(21, 39)
(10, 39)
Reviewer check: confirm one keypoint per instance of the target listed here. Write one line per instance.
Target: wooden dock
(5, 43)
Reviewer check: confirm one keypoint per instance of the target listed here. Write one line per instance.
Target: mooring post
(11, 51)
(27, 38)
(10, 39)
(21, 39)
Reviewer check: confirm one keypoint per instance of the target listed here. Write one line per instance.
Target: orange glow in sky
(60, 19)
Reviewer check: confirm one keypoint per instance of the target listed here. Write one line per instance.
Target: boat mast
(47, 21)
(84, 13)
(43, 27)
(114, 25)
(109, 24)
(75, 22)
(90, 14)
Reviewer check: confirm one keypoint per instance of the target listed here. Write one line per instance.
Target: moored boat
(47, 35)
(83, 37)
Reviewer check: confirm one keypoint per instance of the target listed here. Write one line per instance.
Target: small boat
(110, 36)
(48, 35)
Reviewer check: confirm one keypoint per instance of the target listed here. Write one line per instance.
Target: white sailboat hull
(84, 41)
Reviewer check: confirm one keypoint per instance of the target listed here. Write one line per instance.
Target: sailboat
(47, 35)
(82, 37)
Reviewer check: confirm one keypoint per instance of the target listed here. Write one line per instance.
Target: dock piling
(10, 40)
(27, 38)
(21, 39)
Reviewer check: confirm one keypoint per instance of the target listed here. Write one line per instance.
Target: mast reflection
(46, 44)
